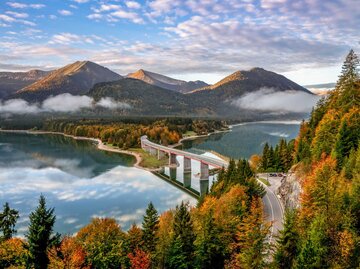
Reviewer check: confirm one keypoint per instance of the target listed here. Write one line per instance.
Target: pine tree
(315, 250)
(40, 237)
(8, 220)
(150, 226)
(182, 246)
(209, 248)
(265, 157)
(286, 251)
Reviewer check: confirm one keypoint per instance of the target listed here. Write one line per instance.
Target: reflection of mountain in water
(76, 157)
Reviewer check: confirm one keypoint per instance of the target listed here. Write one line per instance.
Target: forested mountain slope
(325, 231)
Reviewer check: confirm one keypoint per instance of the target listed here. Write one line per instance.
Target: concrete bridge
(205, 161)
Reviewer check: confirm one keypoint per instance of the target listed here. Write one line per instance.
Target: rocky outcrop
(289, 190)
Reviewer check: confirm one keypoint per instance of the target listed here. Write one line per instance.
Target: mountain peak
(76, 78)
(166, 82)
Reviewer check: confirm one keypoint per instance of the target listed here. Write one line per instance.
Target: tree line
(127, 134)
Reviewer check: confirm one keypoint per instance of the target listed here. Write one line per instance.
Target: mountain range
(149, 93)
(77, 78)
(167, 82)
(10, 82)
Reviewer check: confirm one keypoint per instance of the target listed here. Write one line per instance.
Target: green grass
(148, 160)
(189, 133)
(266, 182)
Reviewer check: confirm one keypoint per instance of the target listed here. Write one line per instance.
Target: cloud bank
(62, 103)
(268, 99)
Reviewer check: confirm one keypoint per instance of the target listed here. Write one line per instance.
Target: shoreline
(100, 145)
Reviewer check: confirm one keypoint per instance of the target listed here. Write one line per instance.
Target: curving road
(274, 212)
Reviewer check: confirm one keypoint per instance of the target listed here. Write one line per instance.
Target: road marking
(272, 213)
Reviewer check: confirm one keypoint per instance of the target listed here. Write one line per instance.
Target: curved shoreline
(100, 145)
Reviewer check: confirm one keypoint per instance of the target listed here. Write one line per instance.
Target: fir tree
(150, 226)
(182, 246)
(287, 242)
(209, 248)
(40, 237)
(265, 157)
(8, 220)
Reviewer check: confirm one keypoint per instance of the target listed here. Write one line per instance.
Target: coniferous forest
(227, 229)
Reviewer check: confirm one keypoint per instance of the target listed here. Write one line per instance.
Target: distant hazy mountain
(77, 78)
(147, 99)
(321, 89)
(10, 82)
(167, 82)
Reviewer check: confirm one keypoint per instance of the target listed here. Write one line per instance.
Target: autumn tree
(140, 260)
(13, 253)
(250, 248)
(40, 236)
(134, 238)
(103, 242)
(8, 218)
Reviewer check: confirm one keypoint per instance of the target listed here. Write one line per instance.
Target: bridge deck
(204, 159)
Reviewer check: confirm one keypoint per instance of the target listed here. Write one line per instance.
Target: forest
(226, 229)
(126, 134)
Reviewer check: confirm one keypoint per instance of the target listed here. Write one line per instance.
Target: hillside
(324, 231)
(242, 82)
(77, 78)
(221, 95)
(167, 82)
(10, 82)
(146, 99)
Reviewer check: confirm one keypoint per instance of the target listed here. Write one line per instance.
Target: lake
(244, 139)
(82, 182)
(79, 180)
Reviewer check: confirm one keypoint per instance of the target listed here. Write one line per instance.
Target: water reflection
(189, 179)
(244, 140)
(80, 181)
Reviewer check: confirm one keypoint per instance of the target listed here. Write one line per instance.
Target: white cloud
(81, 1)
(268, 99)
(134, 17)
(60, 103)
(22, 5)
(17, 14)
(65, 12)
(132, 4)
(68, 38)
(18, 106)
(110, 103)
(6, 18)
(66, 103)
(95, 16)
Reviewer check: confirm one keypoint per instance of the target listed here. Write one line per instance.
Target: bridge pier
(161, 154)
(172, 159)
(187, 164)
(153, 151)
(204, 186)
(204, 171)
(173, 173)
(187, 179)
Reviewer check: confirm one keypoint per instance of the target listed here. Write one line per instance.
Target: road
(273, 208)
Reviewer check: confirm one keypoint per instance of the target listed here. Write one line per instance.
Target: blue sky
(306, 40)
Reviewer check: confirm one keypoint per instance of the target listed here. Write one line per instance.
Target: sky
(305, 40)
